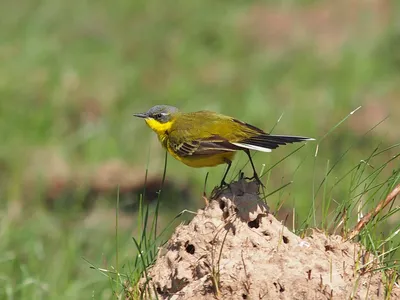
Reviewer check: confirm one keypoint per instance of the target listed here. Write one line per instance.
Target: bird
(207, 139)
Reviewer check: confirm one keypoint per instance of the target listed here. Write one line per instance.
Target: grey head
(161, 113)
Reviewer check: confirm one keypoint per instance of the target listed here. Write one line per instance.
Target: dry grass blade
(368, 217)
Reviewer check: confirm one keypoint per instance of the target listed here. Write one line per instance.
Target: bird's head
(159, 117)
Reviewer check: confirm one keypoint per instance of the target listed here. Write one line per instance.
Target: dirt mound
(234, 249)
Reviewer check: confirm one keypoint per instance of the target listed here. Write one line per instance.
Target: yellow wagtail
(206, 139)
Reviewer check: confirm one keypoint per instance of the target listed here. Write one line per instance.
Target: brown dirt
(234, 241)
(327, 24)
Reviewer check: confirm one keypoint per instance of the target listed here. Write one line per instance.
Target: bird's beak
(141, 115)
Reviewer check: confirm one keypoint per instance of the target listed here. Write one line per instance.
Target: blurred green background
(73, 72)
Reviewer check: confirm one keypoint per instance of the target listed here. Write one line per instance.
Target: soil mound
(235, 249)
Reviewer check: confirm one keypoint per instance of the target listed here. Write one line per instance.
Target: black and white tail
(266, 142)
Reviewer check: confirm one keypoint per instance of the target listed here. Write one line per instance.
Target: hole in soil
(279, 287)
(285, 239)
(244, 296)
(266, 233)
(190, 248)
(221, 205)
(254, 224)
(328, 248)
(161, 292)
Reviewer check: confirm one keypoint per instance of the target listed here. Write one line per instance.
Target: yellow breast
(204, 160)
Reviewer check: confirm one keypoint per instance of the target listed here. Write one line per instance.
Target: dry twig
(368, 217)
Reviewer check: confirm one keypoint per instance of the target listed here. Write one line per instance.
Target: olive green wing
(199, 134)
(201, 146)
(209, 133)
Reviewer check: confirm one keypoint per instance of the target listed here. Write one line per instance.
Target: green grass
(73, 73)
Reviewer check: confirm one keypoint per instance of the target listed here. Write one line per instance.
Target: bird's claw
(257, 179)
(223, 184)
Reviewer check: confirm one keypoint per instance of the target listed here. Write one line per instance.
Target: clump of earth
(236, 249)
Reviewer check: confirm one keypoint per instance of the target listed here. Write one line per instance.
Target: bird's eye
(159, 116)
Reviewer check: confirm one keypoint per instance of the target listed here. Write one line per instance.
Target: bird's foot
(218, 190)
(223, 184)
(256, 178)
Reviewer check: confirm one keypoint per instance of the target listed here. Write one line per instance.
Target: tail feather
(268, 142)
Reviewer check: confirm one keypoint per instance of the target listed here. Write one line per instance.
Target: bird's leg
(223, 183)
(255, 175)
